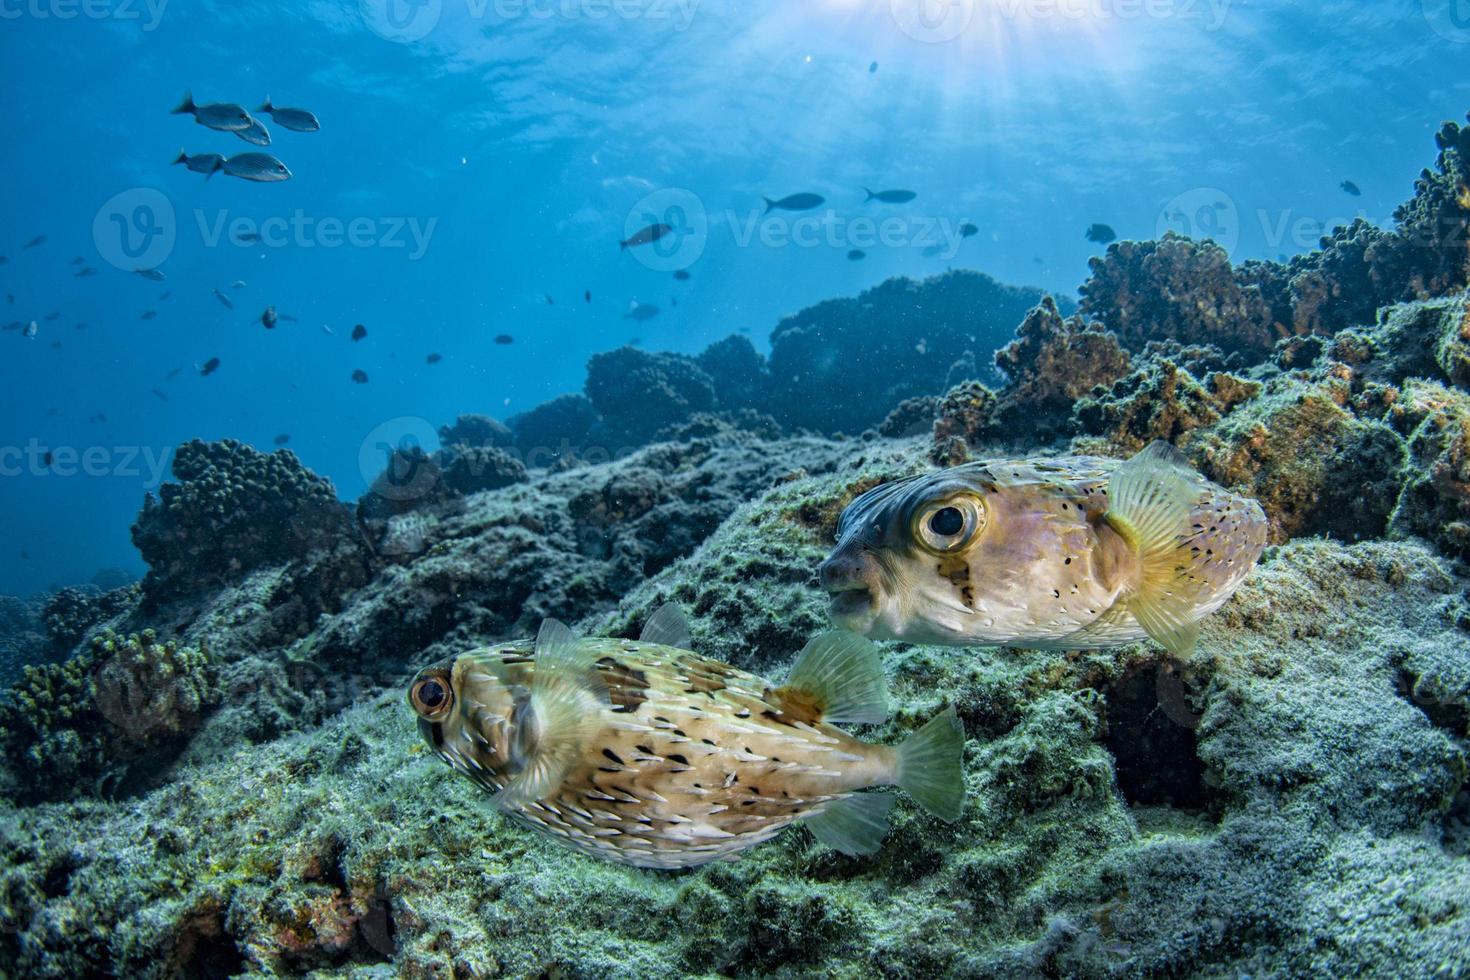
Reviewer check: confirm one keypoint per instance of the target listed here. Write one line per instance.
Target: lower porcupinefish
(645, 753)
(1071, 553)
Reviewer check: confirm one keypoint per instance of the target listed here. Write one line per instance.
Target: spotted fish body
(1068, 553)
(678, 760)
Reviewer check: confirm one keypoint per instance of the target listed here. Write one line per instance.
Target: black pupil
(431, 694)
(947, 522)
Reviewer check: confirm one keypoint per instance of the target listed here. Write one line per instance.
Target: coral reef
(69, 615)
(638, 393)
(842, 365)
(474, 469)
(22, 637)
(554, 430)
(106, 717)
(234, 509)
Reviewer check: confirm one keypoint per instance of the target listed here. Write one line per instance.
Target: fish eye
(431, 698)
(950, 524)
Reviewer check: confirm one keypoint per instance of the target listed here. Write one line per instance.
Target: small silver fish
(259, 167)
(640, 312)
(201, 163)
(224, 299)
(1070, 553)
(255, 133)
(224, 116)
(153, 274)
(30, 330)
(297, 120)
(648, 754)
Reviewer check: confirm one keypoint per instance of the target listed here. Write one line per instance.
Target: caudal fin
(1150, 498)
(770, 204)
(185, 106)
(266, 105)
(931, 766)
(182, 157)
(855, 825)
(870, 194)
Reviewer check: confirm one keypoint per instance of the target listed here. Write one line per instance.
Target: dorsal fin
(837, 678)
(1150, 498)
(667, 627)
(563, 712)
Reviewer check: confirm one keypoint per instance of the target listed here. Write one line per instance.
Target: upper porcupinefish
(1071, 553)
(645, 753)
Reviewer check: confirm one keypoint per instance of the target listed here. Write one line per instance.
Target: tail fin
(855, 825)
(931, 766)
(870, 194)
(1149, 502)
(266, 106)
(183, 157)
(770, 204)
(218, 166)
(185, 106)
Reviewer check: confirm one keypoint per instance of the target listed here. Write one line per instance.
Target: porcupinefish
(1070, 553)
(648, 754)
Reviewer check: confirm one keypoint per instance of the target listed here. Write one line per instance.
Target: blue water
(523, 142)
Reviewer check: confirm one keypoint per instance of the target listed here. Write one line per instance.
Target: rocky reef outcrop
(242, 791)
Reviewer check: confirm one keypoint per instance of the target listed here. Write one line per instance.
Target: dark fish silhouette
(159, 395)
(209, 367)
(30, 331)
(78, 260)
(248, 236)
(225, 116)
(224, 299)
(504, 339)
(202, 163)
(359, 377)
(1352, 188)
(85, 272)
(968, 230)
(297, 120)
(167, 295)
(433, 358)
(645, 236)
(359, 332)
(1102, 234)
(795, 202)
(549, 300)
(282, 439)
(153, 274)
(891, 197)
(148, 315)
(856, 255)
(268, 318)
(53, 316)
(587, 296)
(682, 275)
(873, 68)
(640, 312)
(35, 242)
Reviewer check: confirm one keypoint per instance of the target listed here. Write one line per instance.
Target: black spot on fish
(627, 688)
(612, 755)
(677, 758)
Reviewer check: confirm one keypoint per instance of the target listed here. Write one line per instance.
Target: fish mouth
(853, 608)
